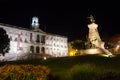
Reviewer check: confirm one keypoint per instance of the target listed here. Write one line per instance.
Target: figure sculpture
(94, 36)
(92, 19)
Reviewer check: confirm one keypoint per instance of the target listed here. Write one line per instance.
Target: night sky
(64, 18)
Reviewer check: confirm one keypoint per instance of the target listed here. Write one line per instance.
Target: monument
(95, 37)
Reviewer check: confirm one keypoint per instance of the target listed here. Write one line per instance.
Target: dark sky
(65, 18)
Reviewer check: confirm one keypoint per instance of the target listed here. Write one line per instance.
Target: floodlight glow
(71, 53)
(105, 55)
(117, 48)
(44, 58)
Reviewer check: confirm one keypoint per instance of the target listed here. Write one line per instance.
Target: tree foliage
(24, 72)
(77, 44)
(88, 44)
(4, 42)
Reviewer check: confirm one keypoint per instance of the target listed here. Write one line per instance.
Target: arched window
(31, 49)
(37, 49)
(43, 50)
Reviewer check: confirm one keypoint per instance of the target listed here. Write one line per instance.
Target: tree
(4, 42)
(78, 45)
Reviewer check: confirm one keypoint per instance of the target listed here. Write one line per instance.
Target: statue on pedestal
(94, 36)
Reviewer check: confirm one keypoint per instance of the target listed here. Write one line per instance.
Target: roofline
(12, 26)
(56, 35)
(7, 25)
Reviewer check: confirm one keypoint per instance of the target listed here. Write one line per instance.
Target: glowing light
(105, 55)
(44, 58)
(117, 48)
(71, 53)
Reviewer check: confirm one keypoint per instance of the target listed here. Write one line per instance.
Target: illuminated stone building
(34, 41)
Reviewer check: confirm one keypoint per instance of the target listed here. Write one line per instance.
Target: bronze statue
(91, 19)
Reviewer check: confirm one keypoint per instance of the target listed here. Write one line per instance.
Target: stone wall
(92, 51)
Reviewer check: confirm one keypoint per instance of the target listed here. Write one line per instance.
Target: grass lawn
(79, 67)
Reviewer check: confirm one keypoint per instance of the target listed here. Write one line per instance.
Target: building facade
(34, 41)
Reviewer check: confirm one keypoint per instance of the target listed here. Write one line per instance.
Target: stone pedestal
(93, 34)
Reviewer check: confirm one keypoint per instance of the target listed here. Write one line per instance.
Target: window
(20, 39)
(43, 50)
(38, 38)
(31, 49)
(21, 33)
(15, 39)
(10, 38)
(37, 49)
(31, 37)
(54, 44)
(26, 34)
(26, 41)
(42, 39)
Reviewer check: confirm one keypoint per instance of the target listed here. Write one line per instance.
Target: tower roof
(35, 22)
